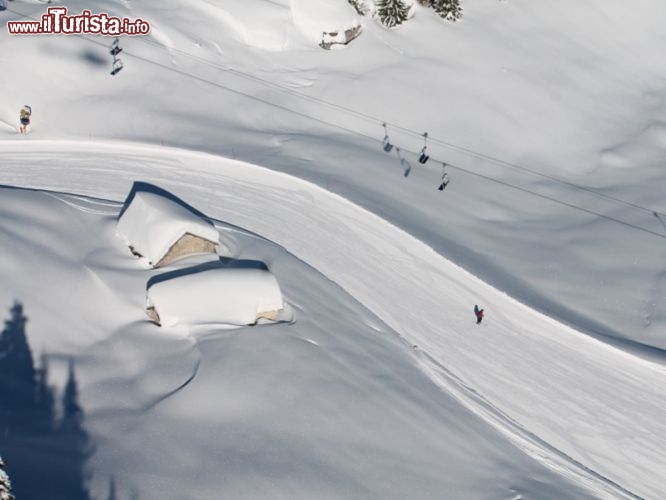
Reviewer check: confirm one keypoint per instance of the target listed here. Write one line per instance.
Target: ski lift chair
(445, 182)
(117, 66)
(445, 179)
(386, 145)
(115, 50)
(423, 157)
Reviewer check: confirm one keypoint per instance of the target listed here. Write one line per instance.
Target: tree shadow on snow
(46, 456)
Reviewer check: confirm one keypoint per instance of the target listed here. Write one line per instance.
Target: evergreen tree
(447, 9)
(392, 13)
(363, 7)
(5, 483)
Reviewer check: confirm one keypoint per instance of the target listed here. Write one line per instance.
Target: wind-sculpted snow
(597, 409)
(330, 406)
(551, 121)
(552, 164)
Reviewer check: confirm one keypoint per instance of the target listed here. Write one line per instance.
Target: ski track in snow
(532, 444)
(520, 371)
(83, 204)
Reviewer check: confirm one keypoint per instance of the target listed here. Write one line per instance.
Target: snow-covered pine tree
(392, 13)
(447, 9)
(5, 483)
(363, 7)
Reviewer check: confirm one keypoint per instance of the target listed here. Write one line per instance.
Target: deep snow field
(333, 406)
(553, 122)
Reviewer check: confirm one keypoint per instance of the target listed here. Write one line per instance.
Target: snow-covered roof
(152, 223)
(232, 296)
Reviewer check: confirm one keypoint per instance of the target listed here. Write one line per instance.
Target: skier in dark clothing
(479, 314)
(445, 182)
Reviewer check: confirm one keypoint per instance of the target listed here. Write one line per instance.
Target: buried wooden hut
(222, 296)
(162, 230)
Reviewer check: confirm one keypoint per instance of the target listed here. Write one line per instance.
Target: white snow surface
(590, 411)
(581, 106)
(152, 224)
(552, 122)
(223, 296)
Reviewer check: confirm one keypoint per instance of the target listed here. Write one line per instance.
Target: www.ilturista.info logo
(57, 22)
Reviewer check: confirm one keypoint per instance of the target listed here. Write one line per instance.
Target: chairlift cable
(355, 132)
(555, 200)
(374, 139)
(360, 114)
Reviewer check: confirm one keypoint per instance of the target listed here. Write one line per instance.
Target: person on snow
(445, 178)
(445, 182)
(479, 314)
(26, 111)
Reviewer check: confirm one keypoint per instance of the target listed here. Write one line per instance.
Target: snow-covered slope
(552, 122)
(573, 92)
(332, 406)
(591, 411)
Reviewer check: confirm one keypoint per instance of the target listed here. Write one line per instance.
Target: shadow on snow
(46, 455)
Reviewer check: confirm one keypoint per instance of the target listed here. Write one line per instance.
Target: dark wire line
(355, 132)
(498, 161)
(375, 120)
(555, 200)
